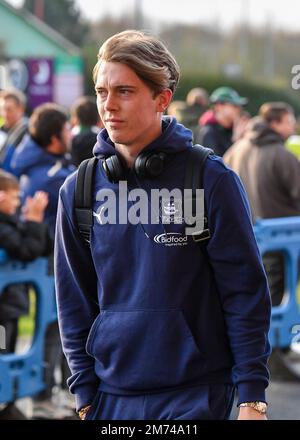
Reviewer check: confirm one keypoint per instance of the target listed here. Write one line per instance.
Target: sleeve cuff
(251, 392)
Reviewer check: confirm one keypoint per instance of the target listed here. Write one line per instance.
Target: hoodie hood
(29, 155)
(261, 134)
(208, 118)
(174, 138)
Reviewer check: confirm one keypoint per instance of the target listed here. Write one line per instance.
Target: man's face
(9, 201)
(11, 112)
(286, 126)
(228, 112)
(127, 107)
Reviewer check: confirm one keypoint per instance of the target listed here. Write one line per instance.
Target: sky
(226, 13)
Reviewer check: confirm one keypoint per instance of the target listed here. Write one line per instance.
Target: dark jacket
(170, 316)
(213, 135)
(83, 144)
(24, 241)
(270, 173)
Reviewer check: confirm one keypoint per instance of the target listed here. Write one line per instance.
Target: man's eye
(125, 91)
(101, 93)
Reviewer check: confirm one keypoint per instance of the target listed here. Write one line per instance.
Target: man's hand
(247, 413)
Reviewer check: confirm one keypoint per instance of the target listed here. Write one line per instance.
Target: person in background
(23, 238)
(198, 100)
(217, 124)
(189, 111)
(86, 125)
(15, 125)
(241, 126)
(271, 176)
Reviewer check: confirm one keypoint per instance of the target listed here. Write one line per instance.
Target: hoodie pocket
(140, 350)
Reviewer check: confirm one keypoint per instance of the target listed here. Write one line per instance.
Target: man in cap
(217, 124)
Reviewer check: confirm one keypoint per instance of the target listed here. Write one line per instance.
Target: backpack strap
(84, 198)
(194, 180)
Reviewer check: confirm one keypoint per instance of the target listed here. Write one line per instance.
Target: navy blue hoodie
(170, 315)
(41, 171)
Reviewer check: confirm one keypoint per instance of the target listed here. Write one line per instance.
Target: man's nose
(110, 102)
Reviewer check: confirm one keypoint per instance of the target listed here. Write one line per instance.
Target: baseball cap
(227, 94)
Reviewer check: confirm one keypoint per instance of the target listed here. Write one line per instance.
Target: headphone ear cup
(150, 164)
(140, 165)
(114, 169)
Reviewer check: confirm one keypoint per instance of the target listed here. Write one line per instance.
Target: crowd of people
(255, 148)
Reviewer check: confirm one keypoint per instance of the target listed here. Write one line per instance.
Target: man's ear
(164, 99)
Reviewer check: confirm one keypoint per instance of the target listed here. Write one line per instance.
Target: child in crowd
(23, 238)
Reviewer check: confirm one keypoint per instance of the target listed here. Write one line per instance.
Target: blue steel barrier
(283, 234)
(21, 375)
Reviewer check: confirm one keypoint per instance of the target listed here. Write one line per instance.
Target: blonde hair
(147, 56)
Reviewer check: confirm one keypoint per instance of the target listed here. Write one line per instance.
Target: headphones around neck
(147, 164)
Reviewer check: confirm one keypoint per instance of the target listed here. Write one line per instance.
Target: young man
(217, 125)
(176, 328)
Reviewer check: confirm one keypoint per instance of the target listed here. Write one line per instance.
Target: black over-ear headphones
(147, 164)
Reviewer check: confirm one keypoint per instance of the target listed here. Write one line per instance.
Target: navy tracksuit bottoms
(201, 402)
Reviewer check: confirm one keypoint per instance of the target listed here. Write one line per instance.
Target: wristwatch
(261, 407)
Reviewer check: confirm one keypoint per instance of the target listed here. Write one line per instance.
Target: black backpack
(84, 191)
